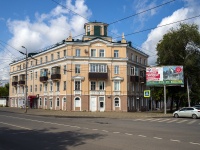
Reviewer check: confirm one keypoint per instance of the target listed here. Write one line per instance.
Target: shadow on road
(47, 139)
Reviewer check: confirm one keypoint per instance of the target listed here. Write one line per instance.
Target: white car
(187, 112)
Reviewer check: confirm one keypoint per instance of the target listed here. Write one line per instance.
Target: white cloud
(48, 29)
(156, 35)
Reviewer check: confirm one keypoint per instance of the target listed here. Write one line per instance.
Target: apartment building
(92, 74)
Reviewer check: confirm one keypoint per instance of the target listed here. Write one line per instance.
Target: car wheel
(176, 115)
(194, 116)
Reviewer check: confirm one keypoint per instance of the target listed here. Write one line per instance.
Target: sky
(37, 24)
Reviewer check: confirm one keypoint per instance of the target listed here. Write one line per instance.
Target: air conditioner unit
(86, 51)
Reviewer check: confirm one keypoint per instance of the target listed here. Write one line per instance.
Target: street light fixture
(26, 101)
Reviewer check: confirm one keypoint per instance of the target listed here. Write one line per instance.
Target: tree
(181, 46)
(4, 91)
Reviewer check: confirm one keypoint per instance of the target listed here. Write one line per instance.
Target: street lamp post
(26, 101)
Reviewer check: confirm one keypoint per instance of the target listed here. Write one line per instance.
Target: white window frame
(101, 53)
(57, 101)
(101, 83)
(93, 85)
(58, 55)
(116, 69)
(77, 68)
(117, 99)
(78, 53)
(116, 85)
(116, 53)
(58, 86)
(93, 53)
(78, 81)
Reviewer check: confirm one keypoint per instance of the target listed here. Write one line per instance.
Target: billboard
(168, 75)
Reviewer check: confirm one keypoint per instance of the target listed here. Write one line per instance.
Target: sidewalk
(63, 114)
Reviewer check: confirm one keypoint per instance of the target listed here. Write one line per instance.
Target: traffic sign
(147, 93)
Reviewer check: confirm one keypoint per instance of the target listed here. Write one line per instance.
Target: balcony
(98, 75)
(142, 80)
(43, 79)
(14, 83)
(21, 82)
(55, 75)
(134, 78)
(14, 80)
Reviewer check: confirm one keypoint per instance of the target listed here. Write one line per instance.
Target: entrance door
(93, 103)
(101, 104)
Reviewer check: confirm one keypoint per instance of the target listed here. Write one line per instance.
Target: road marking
(116, 132)
(191, 122)
(86, 128)
(172, 121)
(194, 143)
(128, 134)
(157, 138)
(95, 129)
(182, 121)
(142, 135)
(15, 126)
(164, 120)
(175, 140)
(154, 120)
(139, 120)
(104, 130)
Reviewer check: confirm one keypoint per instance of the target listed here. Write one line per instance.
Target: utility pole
(26, 101)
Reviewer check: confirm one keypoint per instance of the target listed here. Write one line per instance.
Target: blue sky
(36, 24)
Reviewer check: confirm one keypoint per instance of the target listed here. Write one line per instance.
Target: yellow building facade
(92, 74)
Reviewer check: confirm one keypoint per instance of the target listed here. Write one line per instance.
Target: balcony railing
(21, 82)
(14, 83)
(43, 79)
(134, 78)
(98, 75)
(55, 76)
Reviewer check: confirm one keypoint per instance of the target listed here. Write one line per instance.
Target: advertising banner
(168, 75)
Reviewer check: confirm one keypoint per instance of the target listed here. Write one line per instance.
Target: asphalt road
(29, 132)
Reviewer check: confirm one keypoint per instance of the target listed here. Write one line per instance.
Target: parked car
(187, 112)
(197, 106)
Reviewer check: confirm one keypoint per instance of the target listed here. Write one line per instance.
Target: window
(51, 86)
(35, 75)
(116, 70)
(77, 102)
(116, 102)
(93, 85)
(58, 100)
(88, 28)
(22, 89)
(78, 52)
(64, 99)
(40, 101)
(31, 76)
(77, 68)
(45, 87)
(31, 88)
(77, 85)
(98, 68)
(58, 86)
(132, 71)
(101, 53)
(101, 85)
(35, 88)
(140, 60)
(64, 53)
(40, 87)
(136, 58)
(136, 71)
(46, 58)
(45, 101)
(132, 57)
(64, 85)
(137, 87)
(116, 85)
(31, 63)
(133, 87)
(40, 60)
(58, 55)
(144, 61)
(65, 69)
(116, 53)
(93, 53)
(51, 57)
